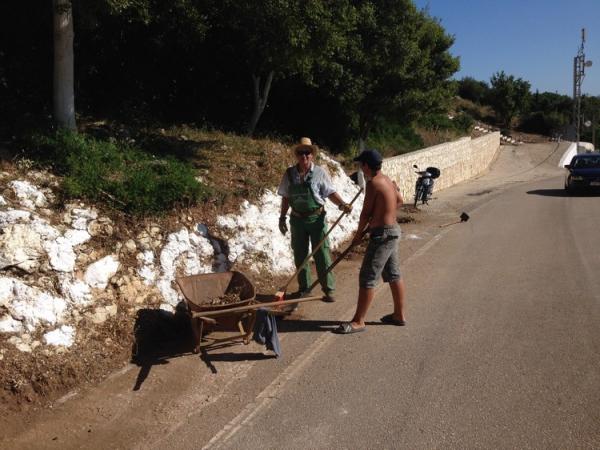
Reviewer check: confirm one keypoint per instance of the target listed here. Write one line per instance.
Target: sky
(535, 40)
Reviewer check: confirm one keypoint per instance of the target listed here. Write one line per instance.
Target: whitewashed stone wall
(458, 161)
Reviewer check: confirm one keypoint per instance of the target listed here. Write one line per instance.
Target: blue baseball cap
(369, 157)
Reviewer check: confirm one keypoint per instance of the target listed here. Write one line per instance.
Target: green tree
(471, 89)
(509, 96)
(395, 64)
(268, 40)
(549, 113)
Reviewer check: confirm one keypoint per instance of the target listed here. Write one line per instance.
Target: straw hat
(305, 143)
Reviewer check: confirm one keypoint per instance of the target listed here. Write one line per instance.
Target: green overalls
(309, 228)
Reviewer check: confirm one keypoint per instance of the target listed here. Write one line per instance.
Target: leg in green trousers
(311, 229)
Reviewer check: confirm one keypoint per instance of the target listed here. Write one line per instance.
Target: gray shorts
(381, 257)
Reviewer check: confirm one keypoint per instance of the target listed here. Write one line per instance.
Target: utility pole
(579, 65)
(594, 130)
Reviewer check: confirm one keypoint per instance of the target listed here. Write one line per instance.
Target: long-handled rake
(463, 218)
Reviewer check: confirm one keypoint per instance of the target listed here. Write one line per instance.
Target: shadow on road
(159, 336)
(294, 326)
(235, 357)
(563, 193)
(549, 192)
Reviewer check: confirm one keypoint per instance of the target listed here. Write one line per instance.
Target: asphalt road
(501, 350)
(502, 347)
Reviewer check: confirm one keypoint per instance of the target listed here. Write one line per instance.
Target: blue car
(583, 173)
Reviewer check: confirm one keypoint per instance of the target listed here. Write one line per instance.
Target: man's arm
(399, 199)
(285, 205)
(366, 213)
(327, 190)
(337, 200)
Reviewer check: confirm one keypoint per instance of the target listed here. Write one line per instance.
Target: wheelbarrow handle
(222, 312)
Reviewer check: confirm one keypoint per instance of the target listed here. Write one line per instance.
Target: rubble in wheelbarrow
(228, 298)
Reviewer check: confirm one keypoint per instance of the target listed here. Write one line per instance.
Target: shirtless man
(382, 198)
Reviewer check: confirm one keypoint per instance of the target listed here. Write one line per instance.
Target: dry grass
(478, 112)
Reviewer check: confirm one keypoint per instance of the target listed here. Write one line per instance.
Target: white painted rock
(10, 325)
(21, 247)
(63, 336)
(29, 196)
(98, 273)
(29, 305)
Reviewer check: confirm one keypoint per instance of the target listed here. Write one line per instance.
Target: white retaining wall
(568, 155)
(458, 161)
(572, 150)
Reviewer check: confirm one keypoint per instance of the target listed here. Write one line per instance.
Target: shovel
(463, 218)
(279, 295)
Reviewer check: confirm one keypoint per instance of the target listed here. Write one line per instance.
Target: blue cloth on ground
(265, 330)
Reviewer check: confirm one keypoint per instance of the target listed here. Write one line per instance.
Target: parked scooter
(424, 184)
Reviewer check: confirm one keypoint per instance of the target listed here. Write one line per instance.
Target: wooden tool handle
(221, 312)
(336, 262)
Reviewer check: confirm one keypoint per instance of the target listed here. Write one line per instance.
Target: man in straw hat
(305, 187)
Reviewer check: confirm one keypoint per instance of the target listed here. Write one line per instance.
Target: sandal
(391, 320)
(347, 328)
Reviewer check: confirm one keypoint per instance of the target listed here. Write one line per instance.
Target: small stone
(99, 316)
(130, 246)
(97, 228)
(111, 310)
(142, 235)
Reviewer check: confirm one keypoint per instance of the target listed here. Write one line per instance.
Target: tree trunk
(361, 144)
(363, 132)
(260, 100)
(64, 96)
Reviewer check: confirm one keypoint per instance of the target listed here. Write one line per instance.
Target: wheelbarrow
(200, 292)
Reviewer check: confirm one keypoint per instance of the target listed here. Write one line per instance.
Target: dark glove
(346, 207)
(283, 225)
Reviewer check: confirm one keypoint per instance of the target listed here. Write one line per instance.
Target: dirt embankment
(104, 321)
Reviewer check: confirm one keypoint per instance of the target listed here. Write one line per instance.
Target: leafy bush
(543, 122)
(473, 90)
(460, 123)
(436, 122)
(463, 122)
(394, 139)
(121, 175)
